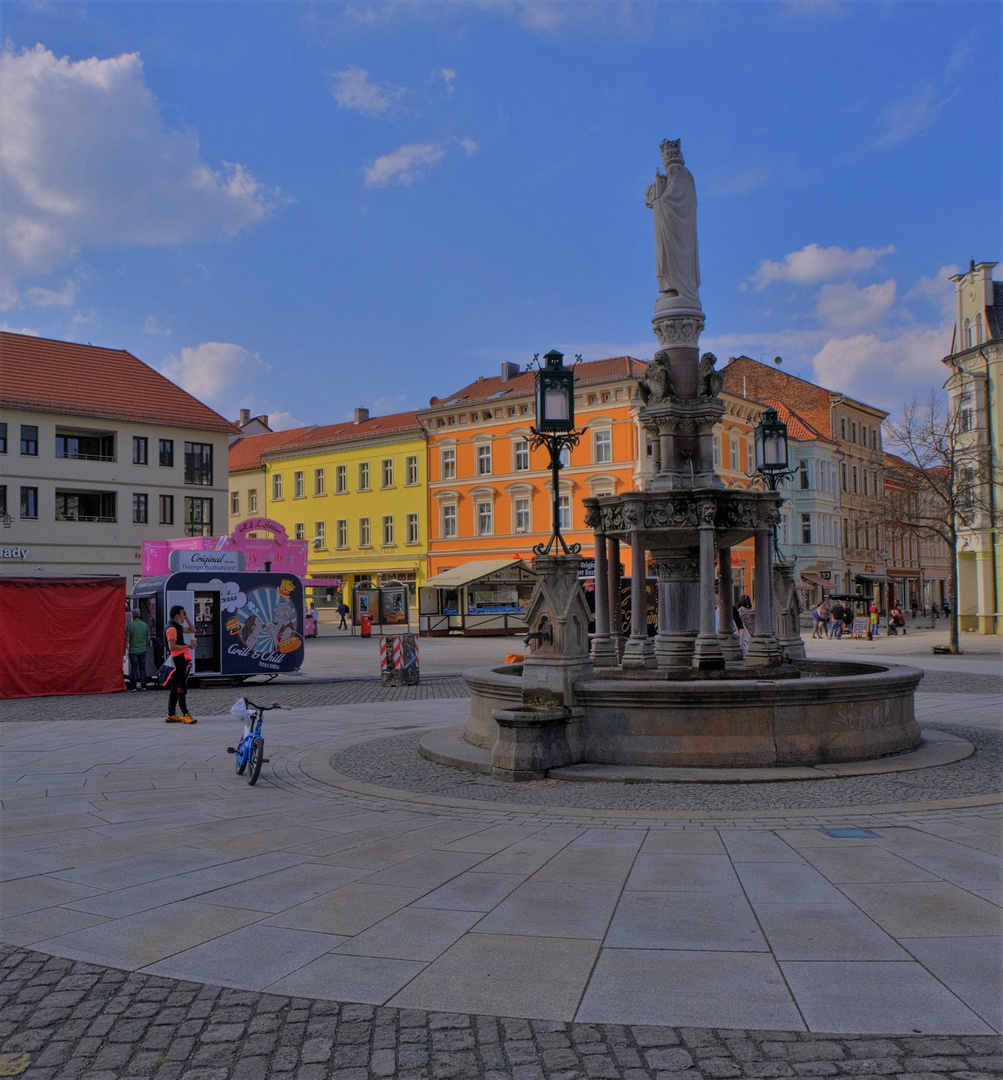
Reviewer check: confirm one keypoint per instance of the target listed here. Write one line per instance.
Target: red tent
(61, 635)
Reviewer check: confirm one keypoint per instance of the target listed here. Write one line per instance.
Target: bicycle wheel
(240, 760)
(257, 756)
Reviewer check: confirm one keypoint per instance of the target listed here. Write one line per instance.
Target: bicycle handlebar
(263, 708)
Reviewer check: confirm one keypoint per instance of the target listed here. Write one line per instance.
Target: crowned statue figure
(673, 199)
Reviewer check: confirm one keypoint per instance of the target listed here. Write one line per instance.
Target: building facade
(99, 452)
(976, 363)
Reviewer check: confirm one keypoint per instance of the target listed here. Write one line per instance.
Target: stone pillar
(613, 590)
(730, 648)
(603, 649)
(707, 652)
(763, 649)
(638, 651)
(785, 611)
(678, 609)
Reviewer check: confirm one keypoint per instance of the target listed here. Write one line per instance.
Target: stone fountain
(687, 697)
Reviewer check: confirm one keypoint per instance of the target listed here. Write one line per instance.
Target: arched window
(966, 334)
(978, 328)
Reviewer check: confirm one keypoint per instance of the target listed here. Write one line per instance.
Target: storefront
(487, 596)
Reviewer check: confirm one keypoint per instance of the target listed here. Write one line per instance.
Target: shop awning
(812, 580)
(472, 571)
(879, 578)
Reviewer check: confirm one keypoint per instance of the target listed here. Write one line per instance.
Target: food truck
(243, 594)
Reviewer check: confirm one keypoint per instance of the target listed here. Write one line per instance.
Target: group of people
(831, 622)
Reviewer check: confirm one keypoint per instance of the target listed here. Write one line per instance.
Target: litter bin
(365, 626)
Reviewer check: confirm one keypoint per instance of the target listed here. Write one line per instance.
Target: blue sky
(301, 208)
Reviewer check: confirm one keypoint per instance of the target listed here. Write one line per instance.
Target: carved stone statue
(673, 199)
(657, 382)
(711, 381)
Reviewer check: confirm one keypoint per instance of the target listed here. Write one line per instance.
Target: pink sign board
(277, 553)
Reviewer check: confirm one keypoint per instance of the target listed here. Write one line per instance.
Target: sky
(305, 208)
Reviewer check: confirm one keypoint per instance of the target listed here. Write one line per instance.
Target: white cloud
(469, 146)
(447, 75)
(154, 326)
(283, 421)
(85, 319)
(51, 297)
(215, 372)
(848, 307)
(353, 89)
(913, 114)
(405, 164)
(86, 160)
(815, 263)
(938, 291)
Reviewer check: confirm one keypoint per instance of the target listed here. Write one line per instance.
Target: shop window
(387, 473)
(521, 449)
(198, 517)
(167, 453)
(602, 446)
(411, 470)
(198, 466)
(276, 486)
(341, 533)
(412, 529)
(388, 530)
(299, 486)
(140, 508)
(166, 509)
(140, 449)
(29, 502)
(252, 500)
(234, 502)
(86, 506)
(365, 539)
(319, 482)
(363, 476)
(29, 441)
(449, 527)
(447, 459)
(86, 446)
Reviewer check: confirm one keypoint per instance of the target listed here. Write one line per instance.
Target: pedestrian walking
(137, 641)
(182, 657)
(342, 611)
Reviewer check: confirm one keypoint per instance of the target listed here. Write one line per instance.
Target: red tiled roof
(44, 375)
(587, 373)
(317, 438)
(797, 428)
(246, 452)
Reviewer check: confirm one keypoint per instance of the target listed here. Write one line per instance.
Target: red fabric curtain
(61, 636)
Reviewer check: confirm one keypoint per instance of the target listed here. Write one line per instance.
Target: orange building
(490, 495)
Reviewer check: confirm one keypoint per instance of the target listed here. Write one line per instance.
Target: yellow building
(358, 492)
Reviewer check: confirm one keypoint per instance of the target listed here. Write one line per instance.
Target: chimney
(509, 371)
(361, 416)
(245, 416)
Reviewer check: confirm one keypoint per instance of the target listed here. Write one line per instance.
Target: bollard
(399, 660)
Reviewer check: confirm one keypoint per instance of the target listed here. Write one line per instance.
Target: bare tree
(938, 488)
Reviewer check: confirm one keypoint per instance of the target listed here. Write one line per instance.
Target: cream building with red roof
(98, 452)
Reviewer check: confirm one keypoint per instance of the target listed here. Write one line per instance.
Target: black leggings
(179, 686)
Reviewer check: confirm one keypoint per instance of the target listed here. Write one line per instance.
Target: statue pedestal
(532, 741)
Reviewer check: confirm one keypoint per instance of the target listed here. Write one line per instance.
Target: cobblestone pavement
(66, 1020)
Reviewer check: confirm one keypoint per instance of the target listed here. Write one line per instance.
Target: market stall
(486, 596)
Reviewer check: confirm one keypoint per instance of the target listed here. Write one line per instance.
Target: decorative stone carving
(673, 198)
(679, 568)
(657, 383)
(674, 331)
(711, 381)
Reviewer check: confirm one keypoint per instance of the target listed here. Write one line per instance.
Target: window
(3, 438)
(854, 479)
(865, 480)
(364, 476)
(198, 467)
(299, 487)
(842, 469)
(484, 522)
(484, 459)
(387, 472)
(299, 531)
(234, 502)
(166, 509)
(806, 528)
(733, 456)
(803, 479)
(602, 446)
(198, 515)
(167, 453)
(521, 448)
(364, 539)
(3, 498)
(717, 450)
(565, 457)
(412, 529)
(86, 506)
(853, 432)
(564, 510)
(411, 470)
(447, 457)
(846, 532)
(522, 515)
(340, 479)
(750, 457)
(388, 530)
(449, 521)
(276, 486)
(966, 334)
(140, 450)
(842, 426)
(29, 444)
(29, 502)
(341, 533)
(319, 481)
(320, 534)
(140, 508)
(978, 328)
(87, 447)
(252, 500)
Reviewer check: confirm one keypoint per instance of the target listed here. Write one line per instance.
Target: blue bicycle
(249, 753)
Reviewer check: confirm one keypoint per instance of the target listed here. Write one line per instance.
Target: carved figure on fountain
(711, 381)
(657, 383)
(673, 199)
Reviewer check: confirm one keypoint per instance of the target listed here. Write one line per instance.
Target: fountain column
(678, 610)
(638, 651)
(613, 587)
(730, 648)
(707, 652)
(603, 649)
(764, 649)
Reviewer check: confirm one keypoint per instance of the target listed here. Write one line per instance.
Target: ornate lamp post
(771, 450)
(555, 429)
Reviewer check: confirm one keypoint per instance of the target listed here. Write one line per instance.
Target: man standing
(137, 640)
(182, 657)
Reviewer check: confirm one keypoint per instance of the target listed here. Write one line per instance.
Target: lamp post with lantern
(555, 429)
(771, 450)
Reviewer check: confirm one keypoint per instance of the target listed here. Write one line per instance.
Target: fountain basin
(835, 712)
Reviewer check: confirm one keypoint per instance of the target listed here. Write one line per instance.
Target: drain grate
(850, 832)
